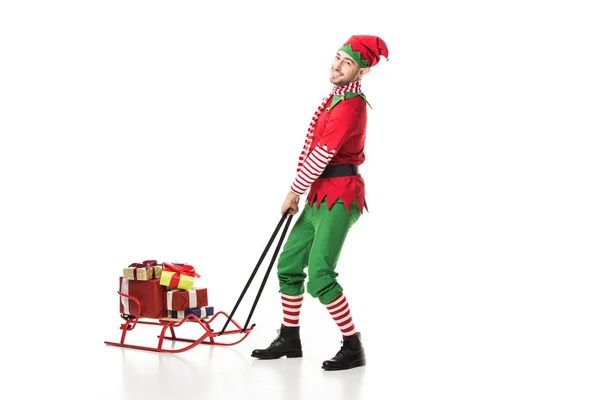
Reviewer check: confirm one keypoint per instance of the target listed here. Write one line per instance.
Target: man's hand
(290, 203)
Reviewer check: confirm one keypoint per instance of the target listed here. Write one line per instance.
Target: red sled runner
(209, 335)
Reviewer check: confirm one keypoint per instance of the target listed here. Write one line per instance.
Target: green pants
(315, 243)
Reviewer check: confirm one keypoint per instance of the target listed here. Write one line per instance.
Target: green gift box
(179, 276)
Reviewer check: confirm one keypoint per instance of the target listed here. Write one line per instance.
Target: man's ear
(364, 71)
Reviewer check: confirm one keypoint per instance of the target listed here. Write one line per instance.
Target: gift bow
(144, 264)
(183, 269)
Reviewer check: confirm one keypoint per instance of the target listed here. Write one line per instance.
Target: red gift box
(180, 300)
(151, 295)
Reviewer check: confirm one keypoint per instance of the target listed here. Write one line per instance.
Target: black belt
(333, 171)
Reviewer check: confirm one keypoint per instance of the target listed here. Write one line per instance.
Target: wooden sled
(168, 325)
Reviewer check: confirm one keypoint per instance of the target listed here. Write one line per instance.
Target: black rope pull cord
(264, 281)
(262, 257)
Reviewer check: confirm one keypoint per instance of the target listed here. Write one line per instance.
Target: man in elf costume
(328, 165)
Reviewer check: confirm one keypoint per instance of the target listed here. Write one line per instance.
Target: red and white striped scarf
(353, 87)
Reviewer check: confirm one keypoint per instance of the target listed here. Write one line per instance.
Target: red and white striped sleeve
(313, 167)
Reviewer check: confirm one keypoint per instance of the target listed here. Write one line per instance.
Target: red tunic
(343, 128)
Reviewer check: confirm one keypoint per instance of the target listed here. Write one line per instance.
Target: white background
(134, 130)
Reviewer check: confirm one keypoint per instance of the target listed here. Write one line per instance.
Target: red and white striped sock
(340, 311)
(291, 309)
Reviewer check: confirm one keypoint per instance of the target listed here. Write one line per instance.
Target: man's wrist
(293, 193)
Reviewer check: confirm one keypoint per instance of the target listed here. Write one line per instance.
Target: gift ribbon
(193, 299)
(179, 269)
(125, 300)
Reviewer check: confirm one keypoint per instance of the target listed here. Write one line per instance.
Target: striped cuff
(313, 167)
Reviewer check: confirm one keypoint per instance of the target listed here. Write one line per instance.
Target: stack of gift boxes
(163, 290)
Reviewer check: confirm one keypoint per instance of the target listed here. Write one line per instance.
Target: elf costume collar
(344, 93)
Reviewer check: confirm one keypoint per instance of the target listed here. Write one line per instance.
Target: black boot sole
(291, 354)
(358, 363)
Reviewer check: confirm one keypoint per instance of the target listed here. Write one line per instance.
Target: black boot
(286, 344)
(351, 355)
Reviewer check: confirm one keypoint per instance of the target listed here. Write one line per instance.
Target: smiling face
(345, 70)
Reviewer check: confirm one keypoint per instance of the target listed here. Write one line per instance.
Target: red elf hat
(365, 49)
